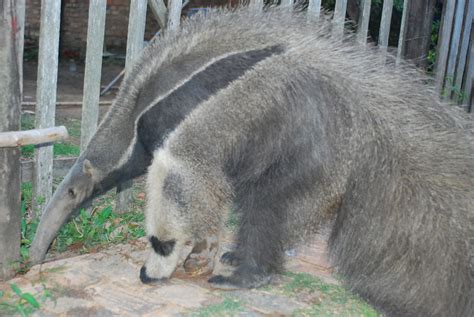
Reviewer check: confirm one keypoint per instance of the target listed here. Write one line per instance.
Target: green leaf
(30, 299)
(104, 214)
(21, 310)
(16, 289)
(24, 252)
(1, 294)
(23, 227)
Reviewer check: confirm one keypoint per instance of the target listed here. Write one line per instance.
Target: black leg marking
(163, 248)
(230, 258)
(144, 278)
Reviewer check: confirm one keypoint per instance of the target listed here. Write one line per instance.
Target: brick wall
(74, 15)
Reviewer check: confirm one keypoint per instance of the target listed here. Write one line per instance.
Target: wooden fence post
(443, 44)
(287, 3)
(364, 19)
(46, 99)
(314, 9)
(93, 70)
(454, 47)
(159, 11)
(403, 31)
(419, 16)
(174, 15)
(385, 24)
(11, 55)
(464, 50)
(135, 39)
(256, 5)
(339, 19)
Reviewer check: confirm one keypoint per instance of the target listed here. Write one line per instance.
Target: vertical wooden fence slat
(256, 5)
(159, 11)
(385, 24)
(46, 98)
(469, 83)
(93, 70)
(445, 39)
(463, 52)
(174, 14)
(286, 3)
(339, 19)
(11, 54)
(21, 11)
(454, 47)
(314, 8)
(403, 31)
(364, 19)
(135, 39)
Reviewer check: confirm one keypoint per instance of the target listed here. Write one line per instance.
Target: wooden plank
(385, 24)
(403, 31)
(61, 167)
(314, 8)
(364, 19)
(463, 52)
(136, 31)
(417, 37)
(454, 47)
(469, 81)
(93, 70)
(46, 98)
(11, 38)
(339, 19)
(159, 11)
(31, 105)
(256, 5)
(135, 38)
(444, 41)
(286, 3)
(174, 15)
(32, 137)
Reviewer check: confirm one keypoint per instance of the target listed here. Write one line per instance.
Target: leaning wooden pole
(11, 38)
(46, 99)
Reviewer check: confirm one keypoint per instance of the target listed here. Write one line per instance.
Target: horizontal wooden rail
(33, 137)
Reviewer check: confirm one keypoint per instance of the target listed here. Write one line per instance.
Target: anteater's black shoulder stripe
(162, 118)
(163, 248)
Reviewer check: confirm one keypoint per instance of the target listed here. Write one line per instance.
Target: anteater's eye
(71, 192)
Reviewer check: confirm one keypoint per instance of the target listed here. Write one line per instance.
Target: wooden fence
(455, 66)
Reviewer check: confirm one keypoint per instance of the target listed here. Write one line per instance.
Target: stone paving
(106, 283)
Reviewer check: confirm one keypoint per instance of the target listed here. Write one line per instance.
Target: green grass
(228, 307)
(335, 300)
(69, 148)
(86, 231)
(21, 303)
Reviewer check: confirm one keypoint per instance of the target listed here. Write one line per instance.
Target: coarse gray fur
(296, 131)
(321, 133)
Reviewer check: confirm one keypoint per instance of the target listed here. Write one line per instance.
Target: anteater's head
(79, 186)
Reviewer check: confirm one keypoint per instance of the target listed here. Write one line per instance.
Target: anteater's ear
(87, 168)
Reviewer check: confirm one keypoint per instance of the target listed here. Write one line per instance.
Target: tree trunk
(11, 39)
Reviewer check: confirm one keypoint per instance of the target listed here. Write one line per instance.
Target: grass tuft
(228, 307)
(335, 300)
